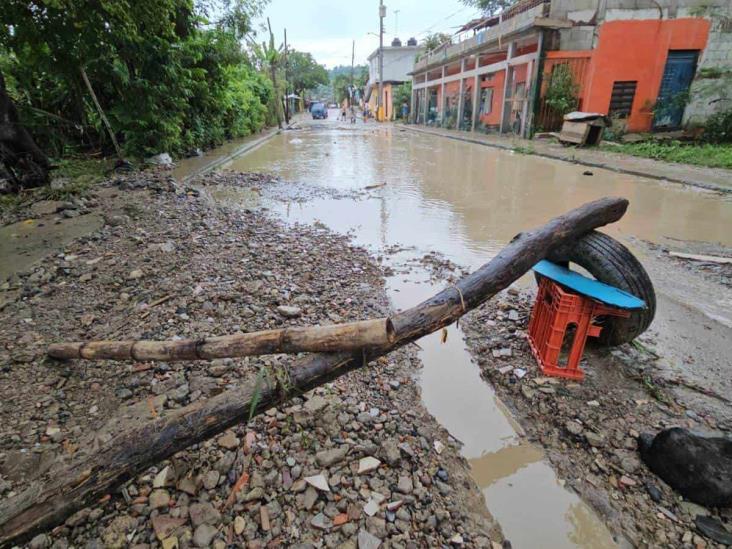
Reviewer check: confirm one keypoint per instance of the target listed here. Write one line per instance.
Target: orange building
(643, 67)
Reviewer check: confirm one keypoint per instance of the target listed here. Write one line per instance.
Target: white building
(398, 63)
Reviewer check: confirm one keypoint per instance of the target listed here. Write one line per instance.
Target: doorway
(674, 93)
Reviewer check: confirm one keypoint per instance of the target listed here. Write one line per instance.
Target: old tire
(610, 262)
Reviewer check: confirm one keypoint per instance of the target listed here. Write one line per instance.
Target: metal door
(673, 95)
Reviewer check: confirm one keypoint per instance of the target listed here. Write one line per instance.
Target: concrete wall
(398, 61)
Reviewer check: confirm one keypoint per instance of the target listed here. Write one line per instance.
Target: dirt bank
(168, 264)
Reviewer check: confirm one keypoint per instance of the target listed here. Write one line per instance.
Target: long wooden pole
(103, 116)
(310, 339)
(49, 501)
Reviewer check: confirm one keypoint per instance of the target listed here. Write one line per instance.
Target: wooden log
(49, 501)
(350, 336)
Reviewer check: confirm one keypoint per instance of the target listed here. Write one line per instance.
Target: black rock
(697, 466)
(713, 529)
(654, 492)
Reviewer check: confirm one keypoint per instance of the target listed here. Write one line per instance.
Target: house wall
(637, 50)
(493, 118)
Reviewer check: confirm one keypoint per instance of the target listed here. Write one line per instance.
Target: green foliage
(435, 40)
(711, 155)
(304, 72)
(718, 128)
(168, 76)
(402, 94)
(561, 93)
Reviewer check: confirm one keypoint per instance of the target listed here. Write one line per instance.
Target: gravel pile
(357, 463)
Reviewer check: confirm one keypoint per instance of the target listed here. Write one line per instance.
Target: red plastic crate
(556, 311)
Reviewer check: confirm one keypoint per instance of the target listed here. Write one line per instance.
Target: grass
(72, 177)
(710, 155)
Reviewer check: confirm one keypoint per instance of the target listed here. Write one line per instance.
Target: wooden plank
(701, 257)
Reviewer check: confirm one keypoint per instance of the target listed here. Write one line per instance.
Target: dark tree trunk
(25, 163)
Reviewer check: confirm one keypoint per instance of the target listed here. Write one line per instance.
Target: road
(464, 202)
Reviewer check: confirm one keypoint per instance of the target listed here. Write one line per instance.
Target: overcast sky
(326, 28)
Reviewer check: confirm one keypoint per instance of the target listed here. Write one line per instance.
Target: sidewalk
(717, 179)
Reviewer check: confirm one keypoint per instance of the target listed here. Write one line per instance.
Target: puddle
(25, 242)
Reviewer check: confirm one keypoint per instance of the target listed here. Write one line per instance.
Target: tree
(561, 93)
(435, 40)
(304, 72)
(490, 7)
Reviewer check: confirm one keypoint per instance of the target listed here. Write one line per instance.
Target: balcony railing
(516, 18)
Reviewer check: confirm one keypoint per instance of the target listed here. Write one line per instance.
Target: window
(621, 100)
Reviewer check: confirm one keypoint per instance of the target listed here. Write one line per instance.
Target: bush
(718, 128)
(561, 94)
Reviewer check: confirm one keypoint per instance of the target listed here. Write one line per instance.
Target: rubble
(231, 271)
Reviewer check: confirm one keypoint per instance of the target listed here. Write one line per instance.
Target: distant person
(405, 111)
(353, 115)
(343, 114)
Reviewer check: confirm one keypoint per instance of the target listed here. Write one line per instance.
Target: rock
(165, 478)
(203, 513)
(289, 311)
(326, 458)
(693, 509)
(54, 433)
(321, 522)
(211, 479)
(228, 440)
(159, 498)
(164, 526)
(573, 428)
(46, 207)
(367, 464)
(162, 159)
(239, 525)
(315, 404)
(390, 452)
(595, 440)
(713, 529)
(255, 494)
(457, 539)
(654, 492)
(319, 482)
(41, 541)
(78, 518)
(115, 534)
(367, 540)
(309, 498)
(135, 275)
(697, 466)
(371, 507)
(204, 535)
(170, 543)
(405, 485)
(630, 464)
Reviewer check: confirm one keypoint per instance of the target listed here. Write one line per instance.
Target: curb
(691, 183)
(245, 148)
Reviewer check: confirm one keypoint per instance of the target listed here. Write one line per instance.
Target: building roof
(394, 48)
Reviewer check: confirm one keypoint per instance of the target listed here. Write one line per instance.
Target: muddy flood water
(466, 202)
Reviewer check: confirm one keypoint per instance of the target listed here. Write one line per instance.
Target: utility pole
(396, 23)
(379, 106)
(272, 54)
(287, 84)
(353, 55)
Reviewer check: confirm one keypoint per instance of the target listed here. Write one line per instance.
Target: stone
(326, 458)
(211, 479)
(321, 522)
(203, 513)
(367, 464)
(41, 541)
(695, 465)
(164, 526)
(289, 311)
(159, 498)
(405, 485)
(309, 498)
(390, 452)
(204, 535)
(162, 159)
(319, 482)
(239, 525)
(228, 440)
(713, 529)
(315, 404)
(135, 275)
(693, 509)
(573, 428)
(457, 539)
(366, 540)
(371, 507)
(115, 534)
(170, 543)
(594, 439)
(164, 478)
(254, 494)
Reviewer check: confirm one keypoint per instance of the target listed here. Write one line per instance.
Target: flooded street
(465, 202)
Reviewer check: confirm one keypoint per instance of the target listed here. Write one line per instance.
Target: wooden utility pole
(379, 100)
(353, 54)
(287, 84)
(273, 68)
